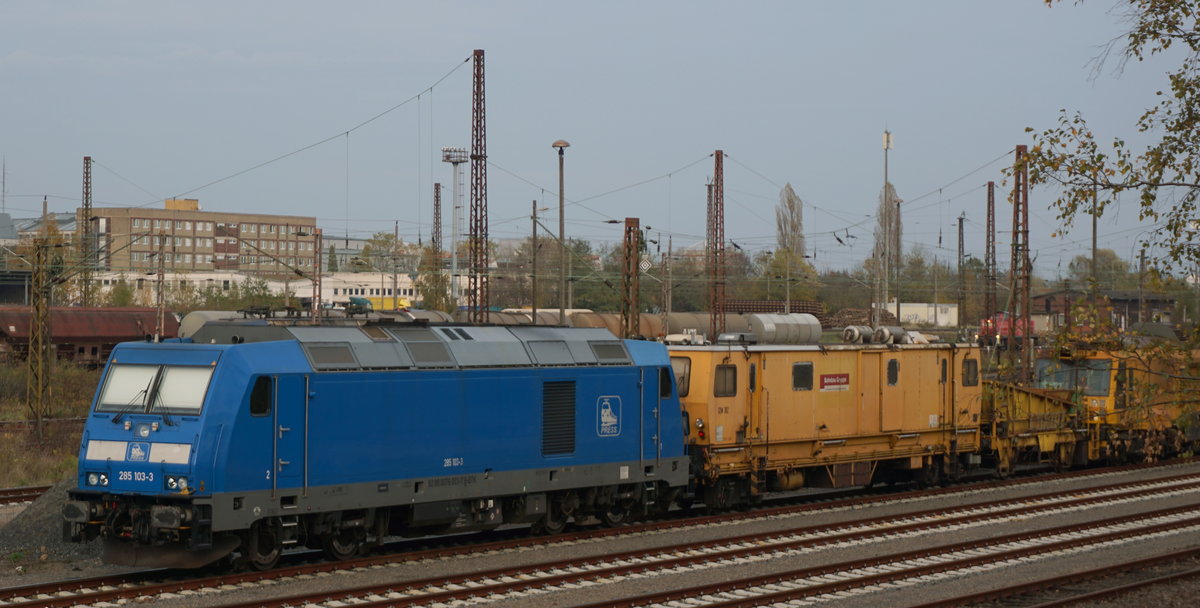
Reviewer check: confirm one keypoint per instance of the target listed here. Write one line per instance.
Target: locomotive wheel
(616, 514)
(553, 522)
(341, 545)
(550, 524)
(1062, 457)
(262, 546)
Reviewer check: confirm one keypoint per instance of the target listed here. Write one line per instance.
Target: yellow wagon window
(683, 374)
(802, 376)
(970, 373)
(725, 381)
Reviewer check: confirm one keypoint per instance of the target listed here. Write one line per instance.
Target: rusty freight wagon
(82, 335)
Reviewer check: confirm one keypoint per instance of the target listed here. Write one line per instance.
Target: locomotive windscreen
(156, 388)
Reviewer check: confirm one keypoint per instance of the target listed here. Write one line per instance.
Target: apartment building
(130, 239)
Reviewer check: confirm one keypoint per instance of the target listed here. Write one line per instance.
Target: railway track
(1061, 585)
(10, 496)
(834, 582)
(686, 557)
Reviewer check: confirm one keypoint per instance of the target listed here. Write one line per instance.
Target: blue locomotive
(253, 437)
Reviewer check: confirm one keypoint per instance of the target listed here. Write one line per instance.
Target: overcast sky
(187, 99)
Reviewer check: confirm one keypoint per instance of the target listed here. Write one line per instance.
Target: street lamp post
(562, 239)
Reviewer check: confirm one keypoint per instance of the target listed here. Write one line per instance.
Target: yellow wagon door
(891, 394)
(869, 395)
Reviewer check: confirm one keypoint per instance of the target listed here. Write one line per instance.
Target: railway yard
(957, 545)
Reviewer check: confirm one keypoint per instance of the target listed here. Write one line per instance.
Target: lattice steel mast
(477, 297)
(630, 279)
(716, 248)
(435, 239)
(87, 245)
(989, 262)
(1020, 360)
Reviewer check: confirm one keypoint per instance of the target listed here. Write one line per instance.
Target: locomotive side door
(650, 415)
(291, 433)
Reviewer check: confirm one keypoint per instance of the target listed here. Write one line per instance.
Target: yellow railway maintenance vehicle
(783, 417)
(1135, 403)
(1028, 427)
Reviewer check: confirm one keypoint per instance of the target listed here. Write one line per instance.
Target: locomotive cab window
(802, 376)
(683, 373)
(181, 390)
(970, 373)
(173, 389)
(664, 383)
(725, 381)
(260, 396)
(893, 372)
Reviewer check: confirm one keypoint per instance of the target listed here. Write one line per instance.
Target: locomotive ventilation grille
(558, 418)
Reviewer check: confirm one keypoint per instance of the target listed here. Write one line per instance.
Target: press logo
(608, 416)
(138, 452)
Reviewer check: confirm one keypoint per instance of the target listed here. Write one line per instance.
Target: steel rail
(557, 573)
(73, 589)
(835, 586)
(22, 494)
(1057, 582)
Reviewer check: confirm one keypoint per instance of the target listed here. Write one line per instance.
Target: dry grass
(28, 462)
(24, 459)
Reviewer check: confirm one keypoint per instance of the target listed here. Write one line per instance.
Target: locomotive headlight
(143, 431)
(177, 483)
(97, 479)
(699, 423)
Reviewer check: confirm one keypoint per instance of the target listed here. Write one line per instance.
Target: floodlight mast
(456, 157)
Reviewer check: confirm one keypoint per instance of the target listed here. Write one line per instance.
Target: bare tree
(789, 221)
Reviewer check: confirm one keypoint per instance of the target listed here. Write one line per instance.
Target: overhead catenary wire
(345, 133)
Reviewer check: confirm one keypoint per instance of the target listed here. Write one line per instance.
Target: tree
(332, 264)
(885, 257)
(782, 275)
(1111, 271)
(844, 289)
(433, 284)
(381, 253)
(789, 221)
(1165, 174)
(120, 295)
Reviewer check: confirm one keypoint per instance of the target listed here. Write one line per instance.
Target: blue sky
(170, 97)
